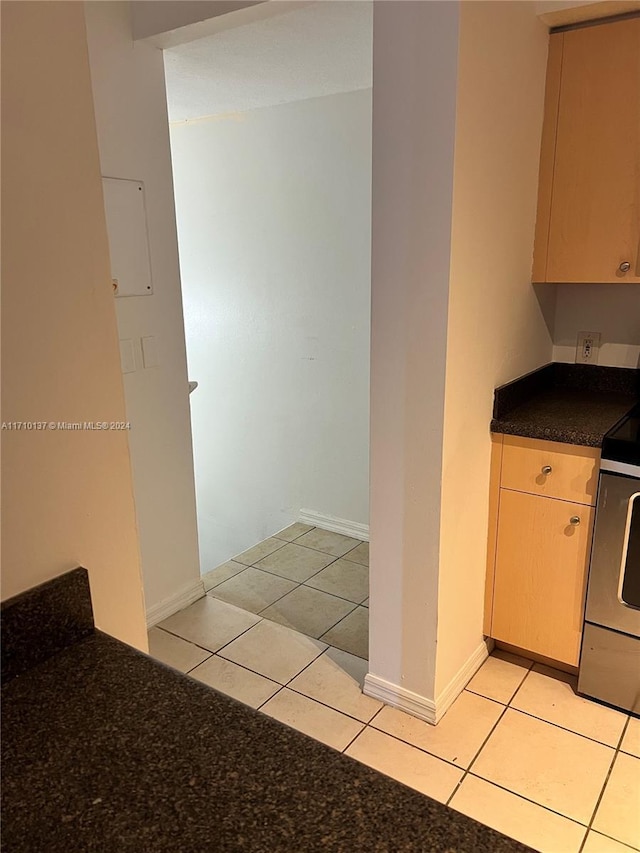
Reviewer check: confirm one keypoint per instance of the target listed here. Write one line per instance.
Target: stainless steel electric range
(610, 657)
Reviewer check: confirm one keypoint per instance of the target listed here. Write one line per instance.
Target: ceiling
(321, 49)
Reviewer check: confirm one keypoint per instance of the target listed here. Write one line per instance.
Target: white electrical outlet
(588, 348)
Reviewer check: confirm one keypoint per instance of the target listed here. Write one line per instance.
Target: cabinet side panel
(494, 503)
(547, 157)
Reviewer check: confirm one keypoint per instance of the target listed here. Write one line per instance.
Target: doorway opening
(270, 127)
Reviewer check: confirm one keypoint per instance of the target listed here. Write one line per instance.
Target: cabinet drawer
(540, 575)
(563, 471)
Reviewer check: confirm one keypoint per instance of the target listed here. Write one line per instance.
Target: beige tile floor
(304, 578)
(518, 750)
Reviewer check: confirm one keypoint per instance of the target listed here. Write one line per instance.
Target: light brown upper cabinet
(588, 225)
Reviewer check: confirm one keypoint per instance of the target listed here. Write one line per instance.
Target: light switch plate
(150, 352)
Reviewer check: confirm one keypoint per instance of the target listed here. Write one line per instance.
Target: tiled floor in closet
(518, 750)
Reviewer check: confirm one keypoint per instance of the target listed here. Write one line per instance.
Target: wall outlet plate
(588, 348)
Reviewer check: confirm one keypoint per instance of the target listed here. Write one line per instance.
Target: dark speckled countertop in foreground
(106, 750)
(571, 403)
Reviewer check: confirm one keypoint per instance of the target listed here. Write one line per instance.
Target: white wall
(415, 54)
(497, 328)
(611, 309)
(273, 210)
(133, 137)
(167, 23)
(67, 495)
(153, 17)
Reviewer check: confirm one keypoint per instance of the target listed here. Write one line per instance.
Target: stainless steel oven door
(613, 596)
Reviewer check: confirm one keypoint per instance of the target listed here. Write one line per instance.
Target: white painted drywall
(321, 49)
(152, 17)
(133, 137)
(67, 494)
(497, 328)
(415, 48)
(611, 309)
(167, 23)
(273, 209)
(157, 17)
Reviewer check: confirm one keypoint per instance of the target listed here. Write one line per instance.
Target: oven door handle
(625, 546)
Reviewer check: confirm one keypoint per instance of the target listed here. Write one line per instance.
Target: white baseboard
(336, 525)
(421, 706)
(463, 676)
(399, 697)
(185, 596)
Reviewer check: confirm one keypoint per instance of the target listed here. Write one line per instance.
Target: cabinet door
(594, 225)
(540, 574)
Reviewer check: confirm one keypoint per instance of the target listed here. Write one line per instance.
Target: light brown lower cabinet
(539, 584)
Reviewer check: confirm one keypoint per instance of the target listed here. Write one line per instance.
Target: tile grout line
(256, 565)
(527, 800)
(312, 575)
(237, 575)
(415, 745)
(519, 687)
(365, 726)
(242, 633)
(558, 726)
(335, 624)
(287, 683)
(275, 601)
(296, 541)
(324, 704)
(304, 583)
(237, 560)
(604, 785)
(335, 594)
(484, 743)
(298, 585)
(251, 565)
(319, 550)
(288, 686)
(189, 671)
(550, 722)
(259, 707)
(184, 640)
(272, 574)
(242, 666)
(343, 556)
(467, 769)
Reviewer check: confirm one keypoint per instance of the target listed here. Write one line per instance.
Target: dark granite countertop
(107, 750)
(575, 404)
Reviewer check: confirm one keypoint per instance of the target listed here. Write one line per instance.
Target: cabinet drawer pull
(547, 469)
(625, 266)
(574, 520)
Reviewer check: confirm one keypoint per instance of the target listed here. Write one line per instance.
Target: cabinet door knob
(547, 469)
(574, 520)
(625, 266)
